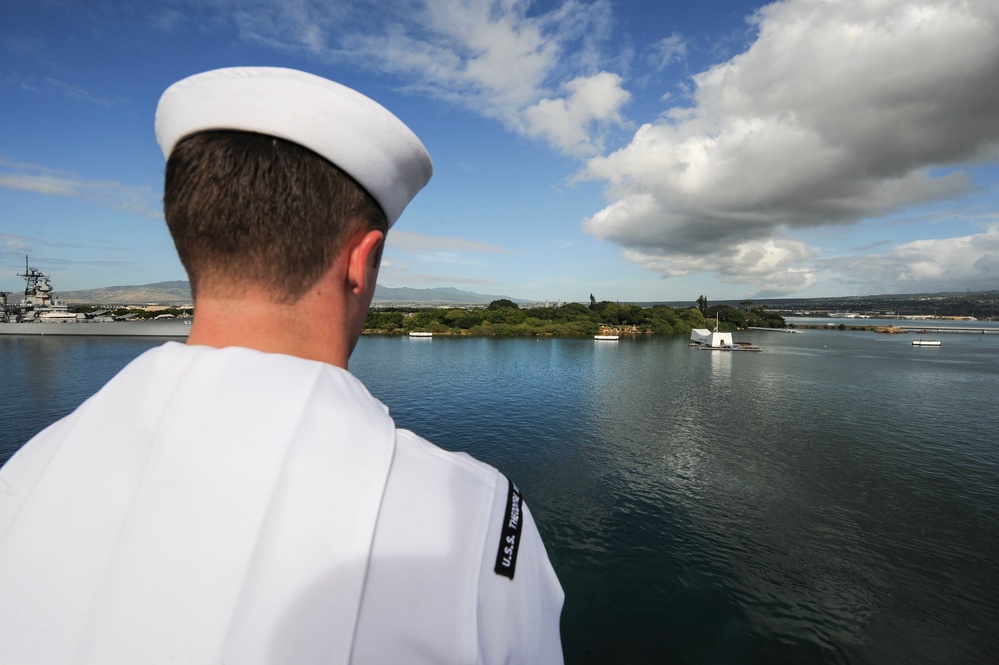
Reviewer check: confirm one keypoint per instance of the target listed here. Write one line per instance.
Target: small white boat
(608, 338)
(421, 334)
(926, 342)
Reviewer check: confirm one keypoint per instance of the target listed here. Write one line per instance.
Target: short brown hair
(251, 208)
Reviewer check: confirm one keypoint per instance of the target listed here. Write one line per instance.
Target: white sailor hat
(354, 132)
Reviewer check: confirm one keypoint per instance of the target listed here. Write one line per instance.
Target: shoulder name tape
(506, 553)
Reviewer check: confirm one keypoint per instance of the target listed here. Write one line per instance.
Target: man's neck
(310, 328)
(324, 324)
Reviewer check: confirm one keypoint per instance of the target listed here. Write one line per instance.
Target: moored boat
(40, 313)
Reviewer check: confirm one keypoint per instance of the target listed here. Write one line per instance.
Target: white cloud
(79, 93)
(837, 112)
(567, 122)
(948, 264)
(770, 265)
(139, 200)
(537, 71)
(12, 243)
(669, 50)
(491, 57)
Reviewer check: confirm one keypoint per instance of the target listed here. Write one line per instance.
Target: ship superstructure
(39, 306)
(39, 302)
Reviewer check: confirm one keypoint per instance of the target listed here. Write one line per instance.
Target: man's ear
(365, 258)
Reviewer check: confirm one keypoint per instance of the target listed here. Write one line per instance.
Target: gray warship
(39, 312)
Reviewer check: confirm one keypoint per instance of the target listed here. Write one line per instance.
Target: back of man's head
(253, 210)
(270, 170)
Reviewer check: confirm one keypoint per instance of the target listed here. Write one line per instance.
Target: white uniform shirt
(231, 506)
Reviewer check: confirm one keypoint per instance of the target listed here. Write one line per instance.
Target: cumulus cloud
(536, 74)
(537, 71)
(567, 122)
(769, 264)
(140, 200)
(839, 111)
(946, 264)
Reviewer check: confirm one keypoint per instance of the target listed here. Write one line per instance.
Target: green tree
(543, 313)
(469, 319)
(452, 315)
(508, 315)
(575, 311)
(693, 317)
(380, 320)
(424, 319)
(502, 303)
(702, 304)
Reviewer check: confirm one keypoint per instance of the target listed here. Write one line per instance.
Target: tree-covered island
(505, 318)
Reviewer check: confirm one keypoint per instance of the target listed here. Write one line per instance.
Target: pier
(783, 330)
(890, 326)
(950, 329)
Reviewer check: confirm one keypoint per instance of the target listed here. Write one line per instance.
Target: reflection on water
(43, 378)
(834, 498)
(721, 366)
(803, 504)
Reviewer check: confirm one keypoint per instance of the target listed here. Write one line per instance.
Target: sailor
(243, 498)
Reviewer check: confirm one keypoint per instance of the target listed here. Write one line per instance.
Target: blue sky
(638, 151)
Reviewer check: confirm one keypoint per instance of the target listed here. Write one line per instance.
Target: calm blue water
(832, 499)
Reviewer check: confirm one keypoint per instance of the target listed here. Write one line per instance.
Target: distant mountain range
(179, 293)
(160, 293)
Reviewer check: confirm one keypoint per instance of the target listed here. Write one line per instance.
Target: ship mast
(30, 278)
(37, 287)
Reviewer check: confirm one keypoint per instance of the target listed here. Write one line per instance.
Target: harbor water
(833, 499)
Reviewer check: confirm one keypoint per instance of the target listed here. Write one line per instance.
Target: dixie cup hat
(349, 129)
